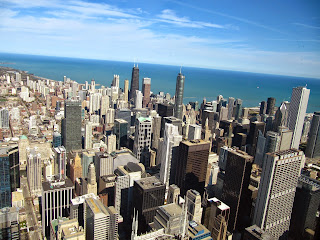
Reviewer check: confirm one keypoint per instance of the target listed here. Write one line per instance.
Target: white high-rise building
(104, 104)
(88, 136)
(297, 113)
(4, 118)
(104, 164)
(171, 139)
(94, 103)
(56, 201)
(194, 132)
(110, 116)
(142, 138)
(34, 172)
(138, 100)
(126, 175)
(101, 221)
(277, 190)
(111, 143)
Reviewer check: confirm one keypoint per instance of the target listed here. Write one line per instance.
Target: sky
(266, 36)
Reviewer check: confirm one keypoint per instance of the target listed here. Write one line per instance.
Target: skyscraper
(5, 191)
(9, 223)
(215, 218)
(194, 132)
(71, 126)
(277, 190)
(252, 139)
(4, 118)
(115, 81)
(88, 136)
(230, 107)
(263, 108)
(178, 110)
(146, 91)
(156, 127)
(297, 113)
(126, 90)
(90, 183)
(75, 168)
(134, 82)
(34, 172)
(305, 208)
(142, 138)
(60, 165)
(120, 129)
(56, 201)
(193, 162)
(101, 221)
(236, 193)
(270, 105)
(193, 203)
(138, 99)
(313, 144)
(168, 148)
(148, 194)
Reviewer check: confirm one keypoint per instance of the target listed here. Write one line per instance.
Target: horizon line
(168, 64)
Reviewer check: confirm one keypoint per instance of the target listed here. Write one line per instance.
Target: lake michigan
(252, 88)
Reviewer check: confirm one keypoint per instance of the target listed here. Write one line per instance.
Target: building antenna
(134, 62)
(137, 63)
(180, 68)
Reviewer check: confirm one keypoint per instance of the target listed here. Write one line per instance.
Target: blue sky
(277, 37)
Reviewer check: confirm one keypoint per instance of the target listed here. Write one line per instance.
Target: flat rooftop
(195, 142)
(149, 182)
(221, 205)
(57, 184)
(171, 209)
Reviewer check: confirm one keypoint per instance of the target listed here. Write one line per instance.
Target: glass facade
(5, 190)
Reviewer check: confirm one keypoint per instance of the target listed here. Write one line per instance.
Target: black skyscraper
(134, 82)
(253, 135)
(71, 125)
(178, 110)
(263, 107)
(270, 105)
(313, 145)
(148, 194)
(236, 193)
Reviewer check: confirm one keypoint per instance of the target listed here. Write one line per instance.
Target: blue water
(252, 88)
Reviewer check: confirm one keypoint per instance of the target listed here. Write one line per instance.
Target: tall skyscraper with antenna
(134, 81)
(179, 96)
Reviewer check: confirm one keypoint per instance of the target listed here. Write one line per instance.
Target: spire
(180, 68)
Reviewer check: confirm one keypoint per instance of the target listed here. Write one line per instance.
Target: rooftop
(81, 199)
(55, 184)
(96, 206)
(123, 158)
(171, 209)
(195, 142)
(221, 205)
(149, 182)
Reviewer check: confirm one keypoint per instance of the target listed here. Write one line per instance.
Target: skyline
(267, 38)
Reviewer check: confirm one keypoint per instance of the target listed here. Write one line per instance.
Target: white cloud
(169, 16)
(94, 30)
(306, 25)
